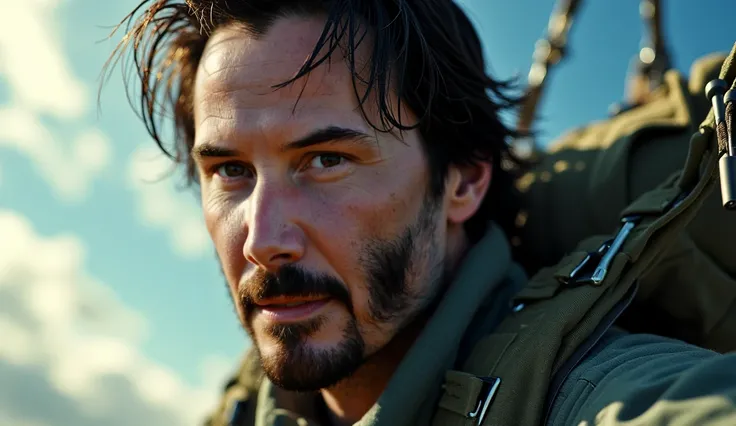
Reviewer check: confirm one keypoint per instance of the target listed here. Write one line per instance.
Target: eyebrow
(327, 135)
(330, 134)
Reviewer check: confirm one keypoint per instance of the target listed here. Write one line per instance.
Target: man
(348, 154)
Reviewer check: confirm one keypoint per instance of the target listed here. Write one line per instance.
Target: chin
(294, 363)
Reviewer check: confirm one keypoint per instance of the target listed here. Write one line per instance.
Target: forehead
(239, 68)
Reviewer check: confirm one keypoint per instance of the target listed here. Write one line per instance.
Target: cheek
(346, 217)
(370, 205)
(227, 234)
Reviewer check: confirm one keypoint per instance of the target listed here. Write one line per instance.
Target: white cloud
(32, 61)
(43, 85)
(161, 206)
(70, 350)
(67, 167)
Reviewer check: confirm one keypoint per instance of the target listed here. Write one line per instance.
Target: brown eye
(326, 161)
(232, 170)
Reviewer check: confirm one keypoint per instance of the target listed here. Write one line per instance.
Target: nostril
(282, 256)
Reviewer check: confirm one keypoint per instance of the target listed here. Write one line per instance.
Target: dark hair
(427, 51)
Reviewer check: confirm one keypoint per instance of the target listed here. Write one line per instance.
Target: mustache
(292, 281)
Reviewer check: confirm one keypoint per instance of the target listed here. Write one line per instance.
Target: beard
(389, 266)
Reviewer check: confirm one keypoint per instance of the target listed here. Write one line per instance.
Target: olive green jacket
(626, 379)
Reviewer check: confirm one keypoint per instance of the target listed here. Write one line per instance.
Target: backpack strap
(513, 374)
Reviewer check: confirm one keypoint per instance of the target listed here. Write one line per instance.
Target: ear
(466, 186)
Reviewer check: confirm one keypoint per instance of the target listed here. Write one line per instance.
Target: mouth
(285, 310)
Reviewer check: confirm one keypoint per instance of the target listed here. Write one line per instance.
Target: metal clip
(727, 163)
(714, 91)
(591, 257)
(603, 257)
(489, 388)
(602, 269)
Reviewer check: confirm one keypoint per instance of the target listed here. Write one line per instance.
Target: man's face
(327, 235)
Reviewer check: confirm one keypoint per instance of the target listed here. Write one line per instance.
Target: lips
(285, 310)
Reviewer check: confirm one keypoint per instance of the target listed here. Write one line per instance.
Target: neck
(349, 400)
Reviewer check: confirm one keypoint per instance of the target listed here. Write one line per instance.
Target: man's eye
(232, 170)
(326, 161)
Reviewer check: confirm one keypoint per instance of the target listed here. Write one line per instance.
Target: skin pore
(307, 203)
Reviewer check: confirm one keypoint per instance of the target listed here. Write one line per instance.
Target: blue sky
(113, 271)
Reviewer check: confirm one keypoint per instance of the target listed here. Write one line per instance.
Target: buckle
(485, 396)
(594, 267)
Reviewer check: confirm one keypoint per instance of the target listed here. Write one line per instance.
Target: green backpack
(649, 172)
(654, 267)
(593, 173)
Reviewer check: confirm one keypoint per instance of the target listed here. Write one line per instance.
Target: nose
(273, 236)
